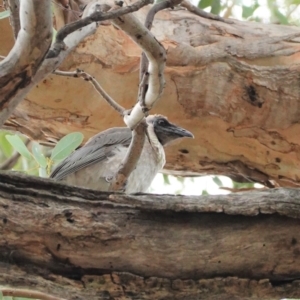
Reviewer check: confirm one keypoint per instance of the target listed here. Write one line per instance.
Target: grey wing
(97, 148)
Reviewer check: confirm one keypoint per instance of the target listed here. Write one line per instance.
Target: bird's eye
(162, 122)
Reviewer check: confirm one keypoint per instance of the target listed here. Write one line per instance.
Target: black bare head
(166, 131)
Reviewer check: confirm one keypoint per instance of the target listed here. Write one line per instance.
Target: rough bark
(78, 243)
(234, 85)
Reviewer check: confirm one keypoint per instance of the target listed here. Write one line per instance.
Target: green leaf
(4, 14)
(204, 192)
(248, 11)
(6, 147)
(217, 181)
(242, 185)
(38, 155)
(280, 17)
(166, 179)
(204, 3)
(19, 145)
(216, 7)
(66, 145)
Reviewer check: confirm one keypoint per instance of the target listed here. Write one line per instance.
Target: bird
(94, 164)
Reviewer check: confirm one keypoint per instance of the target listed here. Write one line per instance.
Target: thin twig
(132, 156)
(81, 74)
(14, 18)
(97, 16)
(11, 292)
(201, 13)
(10, 162)
(143, 88)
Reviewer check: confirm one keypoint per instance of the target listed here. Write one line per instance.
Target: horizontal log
(56, 237)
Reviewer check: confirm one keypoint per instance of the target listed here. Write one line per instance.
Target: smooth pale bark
(78, 242)
(21, 64)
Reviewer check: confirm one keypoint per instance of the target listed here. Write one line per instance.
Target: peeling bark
(235, 86)
(81, 243)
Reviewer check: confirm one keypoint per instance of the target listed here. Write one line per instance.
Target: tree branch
(97, 16)
(81, 244)
(23, 61)
(144, 75)
(27, 294)
(156, 55)
(132, 156)
(47, 67)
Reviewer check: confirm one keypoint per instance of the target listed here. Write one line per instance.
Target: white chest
(151, 162)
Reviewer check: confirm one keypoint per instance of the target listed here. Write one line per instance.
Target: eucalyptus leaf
(66, 145)
(38, 155)
(280, 17)
(204, 193)
(216, 7)
(4, 14)
(166, 179)
(217, 181)
(204, 3)
(249, 10)
(19, 145)
(6, 147)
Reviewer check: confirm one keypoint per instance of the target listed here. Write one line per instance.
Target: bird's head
(165, 131)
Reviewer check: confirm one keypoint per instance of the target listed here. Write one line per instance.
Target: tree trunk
(234, 85)
(78, 244)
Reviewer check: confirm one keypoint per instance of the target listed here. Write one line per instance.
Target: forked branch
(97, 16)
(156, 55)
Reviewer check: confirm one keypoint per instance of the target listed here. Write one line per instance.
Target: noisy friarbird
(94, 165)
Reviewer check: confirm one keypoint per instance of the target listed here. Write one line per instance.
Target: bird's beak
(179, 131)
